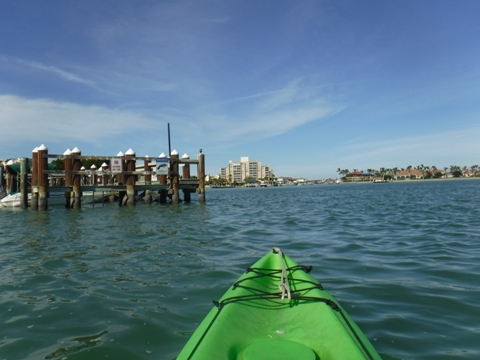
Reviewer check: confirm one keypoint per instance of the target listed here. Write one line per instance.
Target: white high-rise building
(238, 171)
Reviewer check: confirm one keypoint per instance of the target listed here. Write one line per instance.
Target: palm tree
(409, 167)
(474, 169)
(382, 172)
(395, 172)
(454, 168)
(370, 172)
(343, 172)
(426, 171)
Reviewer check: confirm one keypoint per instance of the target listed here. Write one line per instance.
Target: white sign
(117, 165)
(162, 166)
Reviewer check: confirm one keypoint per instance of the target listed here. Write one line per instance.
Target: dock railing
(125, 177)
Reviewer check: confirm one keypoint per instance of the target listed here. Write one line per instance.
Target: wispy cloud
(276, 123)
(272, 113)
(270, 100)
(65, 75)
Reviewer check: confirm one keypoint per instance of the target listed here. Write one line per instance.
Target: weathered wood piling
(186, 175)
(23, 183)
(42, 177)
(68, 164)
(76, 195)
(34, 200)
(148, 179)
(129, 178)
(201, 178)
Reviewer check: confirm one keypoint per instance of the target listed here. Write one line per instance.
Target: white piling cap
(35, 150)
(104, 165)
(67, 152)
(76, 150)
(93, 167)
(162, 155)
(82, 168)
(130, 152)
(42, 148)
(120, 154)
(185, 156)
(174, 152)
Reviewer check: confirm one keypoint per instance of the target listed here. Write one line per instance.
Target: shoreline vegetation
(415, 180)
(333, 181)
(419, 172)
(384, 175)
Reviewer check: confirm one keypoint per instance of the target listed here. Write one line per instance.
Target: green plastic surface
(229, 331)
(278, 349)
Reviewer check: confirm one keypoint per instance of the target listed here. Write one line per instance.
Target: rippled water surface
(133, 283)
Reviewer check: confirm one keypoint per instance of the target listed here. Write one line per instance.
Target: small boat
(13, 200)
(277, 310)
(55, 198)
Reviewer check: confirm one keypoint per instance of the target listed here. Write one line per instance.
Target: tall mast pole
(169, 146)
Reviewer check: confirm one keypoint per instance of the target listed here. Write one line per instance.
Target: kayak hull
(252, 321)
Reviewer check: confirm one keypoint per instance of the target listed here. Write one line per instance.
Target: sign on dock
(162, 166)
(117, 165)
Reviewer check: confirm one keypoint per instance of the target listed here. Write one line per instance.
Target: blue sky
(305, 87)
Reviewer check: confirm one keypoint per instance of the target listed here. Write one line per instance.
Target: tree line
(427, 171)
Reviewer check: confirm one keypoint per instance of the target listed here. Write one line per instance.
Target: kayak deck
(276, 310)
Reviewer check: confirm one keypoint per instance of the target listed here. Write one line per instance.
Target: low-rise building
(410, 174)
(355, 176)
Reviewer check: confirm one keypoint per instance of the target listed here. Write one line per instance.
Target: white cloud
(458, 147)
(41, 120)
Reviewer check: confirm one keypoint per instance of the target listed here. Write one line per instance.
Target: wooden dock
(126, 178)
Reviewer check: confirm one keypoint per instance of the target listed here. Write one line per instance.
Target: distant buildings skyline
(238, 171)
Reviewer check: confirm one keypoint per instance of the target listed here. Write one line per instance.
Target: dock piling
(163, 181)
(76, 197)
(68, 164)
(186, 176)
(174, 178)
(147, 178)
(201, 177)
(42, 162)
(23, 183)
(130, 178)
(34, 180)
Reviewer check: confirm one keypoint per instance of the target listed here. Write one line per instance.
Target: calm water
(133, 283)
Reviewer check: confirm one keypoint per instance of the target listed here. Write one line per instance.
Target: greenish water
(133, 283)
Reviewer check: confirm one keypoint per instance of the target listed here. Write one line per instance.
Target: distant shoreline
(413, 180)
(352, 182)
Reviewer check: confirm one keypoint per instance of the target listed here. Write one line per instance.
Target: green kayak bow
(277, 310)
